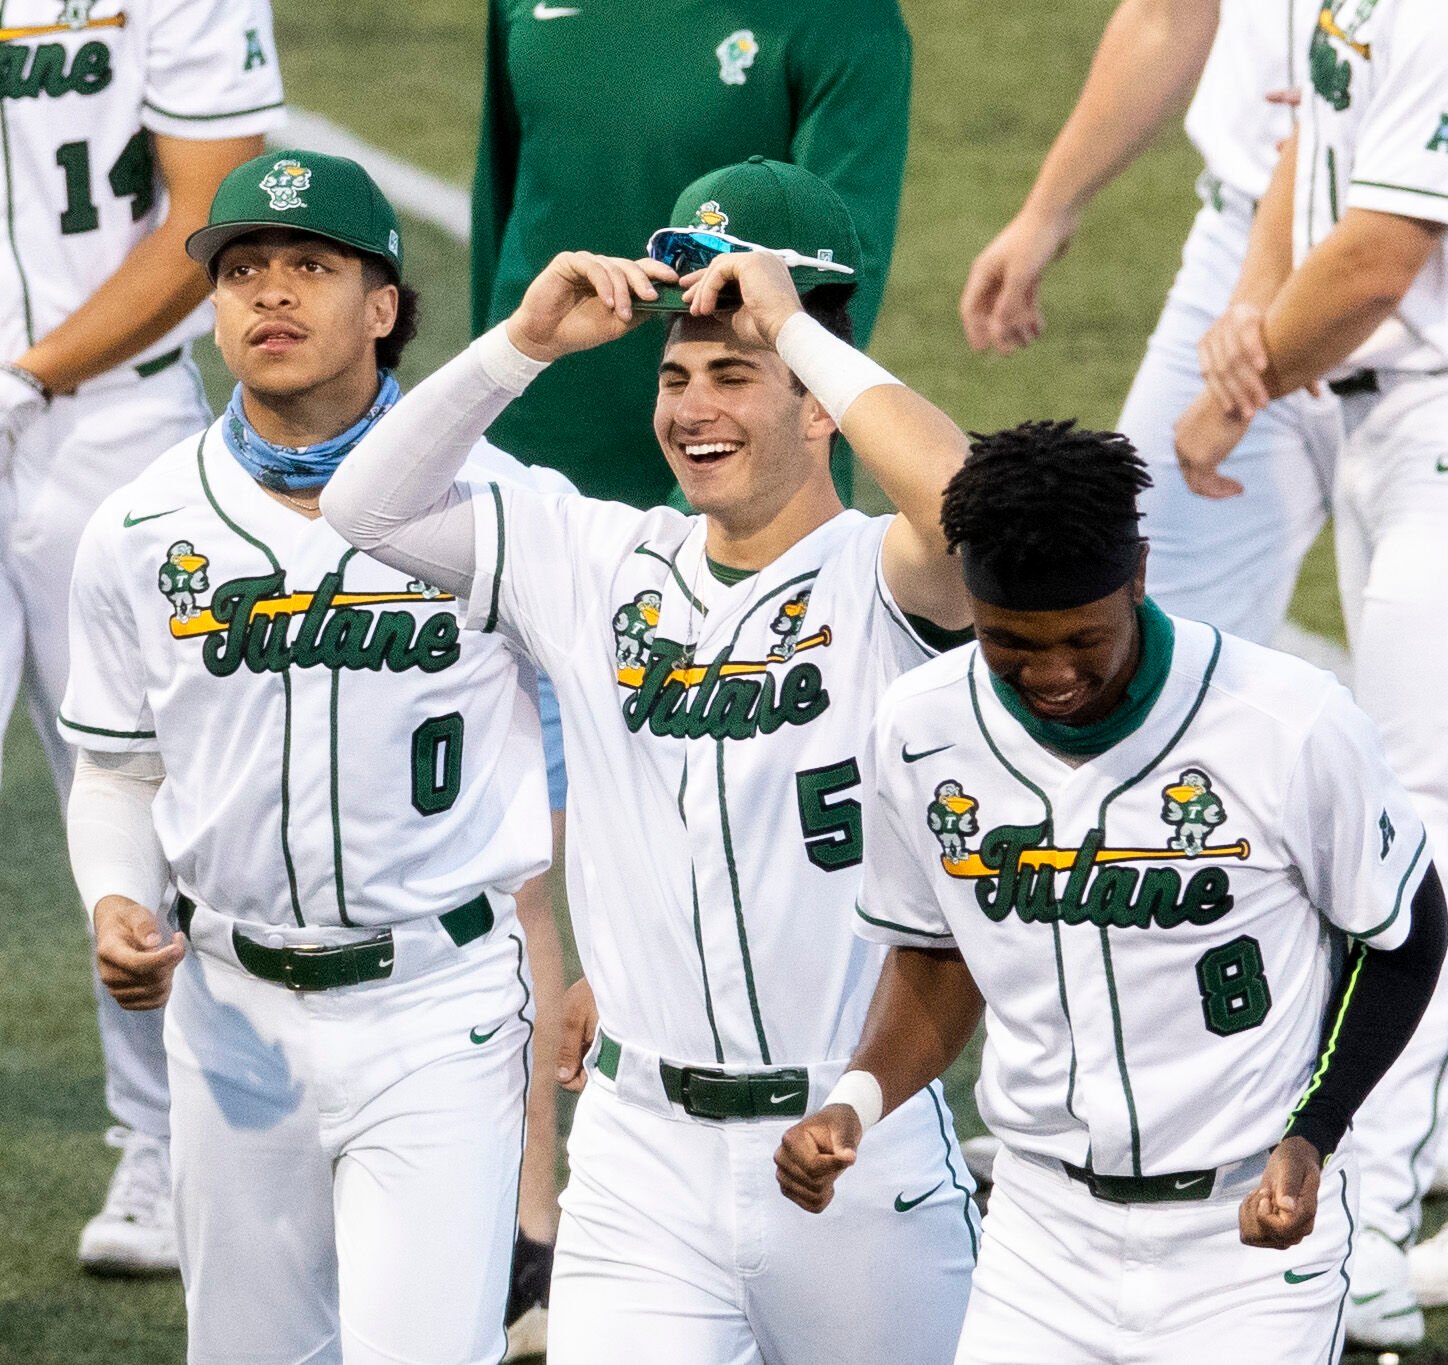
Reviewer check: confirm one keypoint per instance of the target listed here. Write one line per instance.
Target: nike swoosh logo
(1292, 1277)
(151, 516)
(475, 1037)
(1442, 465)
(790, 1095)
(903, 1205)
(542, 11)
(1361, 1299)
(1187, 1184)
(924, 753)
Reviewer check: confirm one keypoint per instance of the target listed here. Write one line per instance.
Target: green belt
(158, 363)
(706, 1093)
(321, 967)
(1180, 1187)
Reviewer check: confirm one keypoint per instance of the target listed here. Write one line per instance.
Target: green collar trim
(1158, 640)
(726, 575)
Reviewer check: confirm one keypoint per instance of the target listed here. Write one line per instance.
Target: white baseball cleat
(1428, 1270)
(135, 1233)
(980, 1155)
(1382, 1310)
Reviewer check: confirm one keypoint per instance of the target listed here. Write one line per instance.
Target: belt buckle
(698, 1108)
(295, 953)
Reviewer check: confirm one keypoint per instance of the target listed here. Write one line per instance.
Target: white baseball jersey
(715, 739)
(1153, 931)
(1375, 136)
(82, 83)
(377, 765)
(1259, 48)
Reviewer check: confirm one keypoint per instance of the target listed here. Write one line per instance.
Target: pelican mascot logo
(181, 578)
(284, 184)
(787, 625)
(736, 55)
(710, 215)
(1195, 809)
(951, 817)
(634, 625)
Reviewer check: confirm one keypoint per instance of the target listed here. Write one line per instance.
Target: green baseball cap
(327, 196)
(772, 204)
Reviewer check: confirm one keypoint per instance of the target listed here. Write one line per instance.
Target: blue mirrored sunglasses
(688, 249)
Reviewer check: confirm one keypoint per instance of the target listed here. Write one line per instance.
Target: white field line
(448, 207)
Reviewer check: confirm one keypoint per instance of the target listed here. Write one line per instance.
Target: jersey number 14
(133, 177)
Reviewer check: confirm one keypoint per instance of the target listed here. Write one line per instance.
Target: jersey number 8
(1235, 996)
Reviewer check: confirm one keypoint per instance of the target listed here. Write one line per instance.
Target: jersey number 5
(833, 828)
(133, 177)
(1234, 991)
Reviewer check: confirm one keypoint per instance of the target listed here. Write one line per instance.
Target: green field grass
(991, 86)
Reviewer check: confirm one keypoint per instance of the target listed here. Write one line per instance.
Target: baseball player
(1178, 1032)
(120, 119)
(1150, 58)
(714, 841)
(1347, 281)
(346, 791)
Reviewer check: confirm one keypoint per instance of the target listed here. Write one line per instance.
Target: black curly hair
(1044, 492)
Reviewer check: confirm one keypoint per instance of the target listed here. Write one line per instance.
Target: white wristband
(831, 369)
(861, 1091)
(504, 363)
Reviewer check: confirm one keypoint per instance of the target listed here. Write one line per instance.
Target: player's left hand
(814, 1153)
(581, 300)
(1205, 436)
(1233, 358)
(1280, 1212)
(580, 1024)
(768, 298)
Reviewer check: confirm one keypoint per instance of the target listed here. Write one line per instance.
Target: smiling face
(1069, 666)
(295, 314)
(740, 435)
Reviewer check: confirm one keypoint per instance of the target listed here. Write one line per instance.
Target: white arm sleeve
(114, 850)
(397, 495)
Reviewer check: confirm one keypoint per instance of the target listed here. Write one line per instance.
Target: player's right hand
(134, 961)
(20, 405)
(581, 300)
(814, 1152)
(999, 306)
(580, 1024)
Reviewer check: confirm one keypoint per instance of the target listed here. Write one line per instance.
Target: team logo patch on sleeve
(182, 580)
(736, 55)
(284, 184)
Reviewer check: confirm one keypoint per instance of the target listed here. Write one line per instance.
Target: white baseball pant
(346, 1161)
(676, 1244)
(1065, 1276)
(1232, 562)
(1391, 528)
